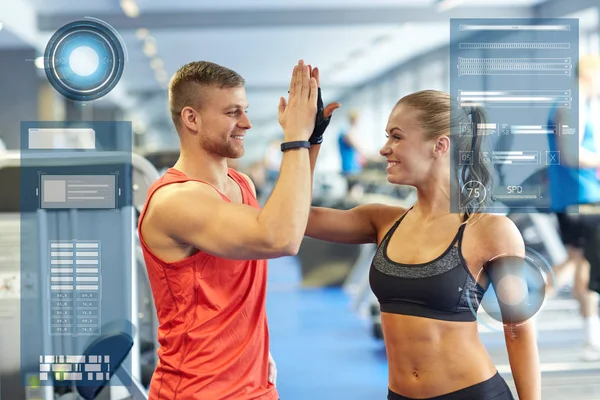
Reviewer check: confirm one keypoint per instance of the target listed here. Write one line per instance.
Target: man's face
(223, 121)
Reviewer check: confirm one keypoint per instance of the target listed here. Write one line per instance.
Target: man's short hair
(185, 88)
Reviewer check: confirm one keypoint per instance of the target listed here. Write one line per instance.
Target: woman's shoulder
(495, 235)
(381, 215)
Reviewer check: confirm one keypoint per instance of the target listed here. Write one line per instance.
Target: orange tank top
(213, 334)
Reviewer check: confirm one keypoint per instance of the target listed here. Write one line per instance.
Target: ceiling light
(383, 39)
(142, 33)
(358, 53)
(157, 63)
(339, 67)
(39, 62)
(445, 5)
(130, 8)
(138, 125)
(161, 75)
(150, 49)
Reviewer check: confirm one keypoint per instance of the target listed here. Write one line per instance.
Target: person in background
(575, 198)
(351, 153)
(272, 162)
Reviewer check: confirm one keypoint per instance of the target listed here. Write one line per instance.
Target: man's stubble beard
(220, 148)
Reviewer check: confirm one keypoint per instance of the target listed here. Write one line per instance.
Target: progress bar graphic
(74, 282)
(516, 98)
(532, 130)
(514, 66)
(516, 27)
(514, 46)
(516, 157)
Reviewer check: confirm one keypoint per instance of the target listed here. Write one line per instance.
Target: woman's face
(408, 152)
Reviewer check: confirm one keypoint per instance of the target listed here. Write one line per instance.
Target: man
(206, 240)
(575, 190)
(351, 153)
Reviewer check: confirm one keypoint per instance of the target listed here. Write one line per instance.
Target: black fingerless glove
(321, 123)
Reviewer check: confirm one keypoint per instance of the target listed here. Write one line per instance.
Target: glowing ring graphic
(93, 36)
(540, 271)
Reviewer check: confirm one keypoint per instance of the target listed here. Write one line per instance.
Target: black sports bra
(442, 289)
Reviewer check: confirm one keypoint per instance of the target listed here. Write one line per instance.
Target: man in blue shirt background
(575, 198)
(351, 154)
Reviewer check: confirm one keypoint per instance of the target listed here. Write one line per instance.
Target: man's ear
(190, 118)
(441, 146)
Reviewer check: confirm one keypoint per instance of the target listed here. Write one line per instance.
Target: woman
(428, 256)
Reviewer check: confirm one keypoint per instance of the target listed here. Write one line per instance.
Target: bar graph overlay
(75, 368)
(517, 98)
(516, 157)
(75, 284)
(533, 129)
(520, 74)
(514, 46)
(488, 26)
(515, 66)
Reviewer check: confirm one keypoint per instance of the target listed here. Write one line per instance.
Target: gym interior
(325, 330)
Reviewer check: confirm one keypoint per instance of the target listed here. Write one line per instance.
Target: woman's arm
(524, 360)
(506, 251)
(355, 226)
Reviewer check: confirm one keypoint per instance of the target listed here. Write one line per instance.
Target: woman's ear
(441, 146)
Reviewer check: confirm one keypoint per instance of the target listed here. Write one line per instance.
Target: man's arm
(194, 213)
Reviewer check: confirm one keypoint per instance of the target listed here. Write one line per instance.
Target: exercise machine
(126, 344)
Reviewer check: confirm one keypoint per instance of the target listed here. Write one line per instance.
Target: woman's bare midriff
(428, 357)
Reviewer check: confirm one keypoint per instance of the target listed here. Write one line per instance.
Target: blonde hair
(439, 115)
(185, 88)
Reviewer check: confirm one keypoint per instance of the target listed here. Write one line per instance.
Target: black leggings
(494, 388)
(582, 230)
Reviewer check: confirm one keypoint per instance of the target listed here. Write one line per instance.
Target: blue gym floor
(322, 349)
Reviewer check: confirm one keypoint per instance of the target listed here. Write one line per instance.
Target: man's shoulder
(246, 178)
(175, 194)
(240, 173)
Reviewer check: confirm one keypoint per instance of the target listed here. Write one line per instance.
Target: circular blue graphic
(84, 60)
(518, 292)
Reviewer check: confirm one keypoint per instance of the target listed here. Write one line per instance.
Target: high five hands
(323, 114)
(303, 113)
